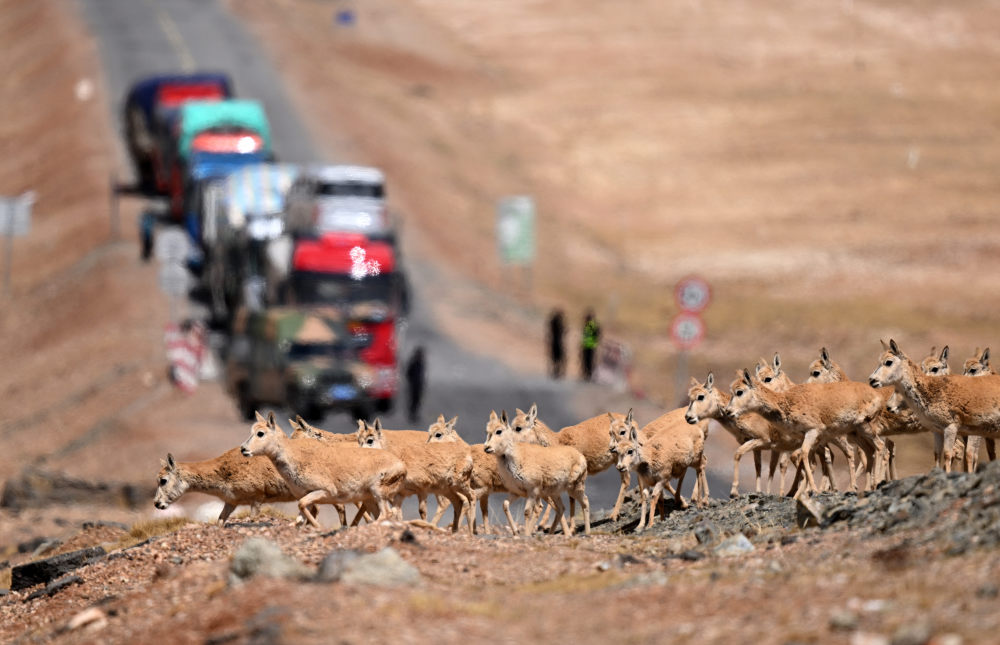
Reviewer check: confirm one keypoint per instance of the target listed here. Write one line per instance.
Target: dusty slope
(829, 167)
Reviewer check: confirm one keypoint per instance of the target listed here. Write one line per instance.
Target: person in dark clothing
(415, 376)
(557, 351)
(588, 344)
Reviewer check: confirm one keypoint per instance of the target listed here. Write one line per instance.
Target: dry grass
(146, 529)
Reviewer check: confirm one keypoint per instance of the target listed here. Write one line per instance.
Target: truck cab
(304, 359)
(360, 277)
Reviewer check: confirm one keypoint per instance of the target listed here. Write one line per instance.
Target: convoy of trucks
(300, 263)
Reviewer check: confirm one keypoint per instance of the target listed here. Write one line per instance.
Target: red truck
(362, 277)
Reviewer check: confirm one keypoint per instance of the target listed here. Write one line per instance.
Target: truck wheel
(246, 405)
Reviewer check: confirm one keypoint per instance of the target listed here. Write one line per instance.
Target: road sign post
(15, 221)
(516, 233)
(692, 295)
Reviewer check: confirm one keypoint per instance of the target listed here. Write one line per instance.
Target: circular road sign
(687, 330)
(692, 294)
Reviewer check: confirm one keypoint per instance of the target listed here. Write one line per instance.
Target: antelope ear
(985, 358)
(628, 417)
(824, 356)
(884, 345)
(362, 425)
(777, 362)
(271, 423)
(746, 377)
(503, 417)
(894, 348)
(260, 417)
(493, 415)
(454, 420)
(440, 418)
(611, 417)
(944, 355)
(518, 411)
(533, 412)
(758, 367)
(171, 464)
(633, 434)
(378, 424)
(694, 382)
(710, 381)
(295, 426)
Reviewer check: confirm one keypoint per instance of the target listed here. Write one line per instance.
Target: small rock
(808, 513)
(789, 539)
(386, 568)
(775, 567)
(55, 587)
(92, 619)
(258, 556)
(736, 545)
(866, 638)
(332, 566)
(691, 555)
(988, 590)
(947, 639)
(843, 621)
(706, 532)
(43, 571)
(914, 633)
(651, 579)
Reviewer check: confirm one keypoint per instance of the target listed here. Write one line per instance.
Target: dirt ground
(828, 167)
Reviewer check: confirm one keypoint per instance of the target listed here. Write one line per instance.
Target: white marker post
(15, 220)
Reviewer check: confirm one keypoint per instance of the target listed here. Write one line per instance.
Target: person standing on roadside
(589, 342)
(415, 376)
(557, 350)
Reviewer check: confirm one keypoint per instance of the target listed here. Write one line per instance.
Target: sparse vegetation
(146, 529)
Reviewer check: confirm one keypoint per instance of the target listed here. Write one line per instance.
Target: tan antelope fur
(978, 364)
(485, 474)
(663, 455)
(303, 430)
(537, 472)
(894, 420)
(816, 411)
(589, 437)
(231, 477)
(431, 468)
(672, 423)
(751, 431)
(328, 473)
(398, 437)
(774, 377)
(948, 404)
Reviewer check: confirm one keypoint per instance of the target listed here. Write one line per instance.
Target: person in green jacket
(589, 342)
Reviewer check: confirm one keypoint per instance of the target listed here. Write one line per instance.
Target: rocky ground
(913, 562)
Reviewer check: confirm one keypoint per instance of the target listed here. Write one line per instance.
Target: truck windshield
(303, 351)
(350, 189)
(309, 288)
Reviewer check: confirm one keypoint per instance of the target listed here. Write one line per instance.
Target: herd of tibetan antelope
(376, 469)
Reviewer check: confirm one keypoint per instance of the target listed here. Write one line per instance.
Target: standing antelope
(948, 404)
(659, 457)
(816, 411)
(485, 474)
(537, 472)
(439, 468)
(327, 473)
(589, 437)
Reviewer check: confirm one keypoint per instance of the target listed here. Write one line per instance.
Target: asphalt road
(142, 37)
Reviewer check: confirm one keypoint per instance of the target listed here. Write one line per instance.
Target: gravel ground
(913, 562)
